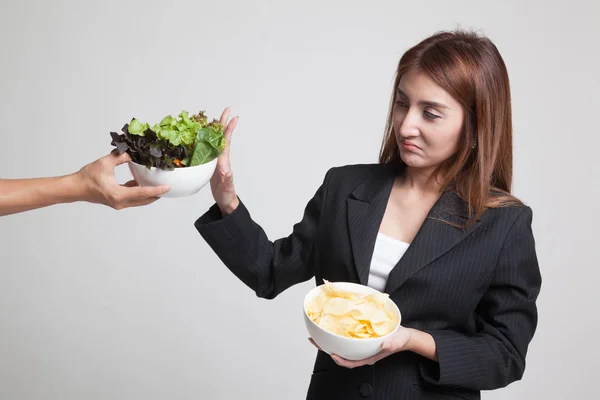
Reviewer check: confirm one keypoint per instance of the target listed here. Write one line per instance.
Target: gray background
(100, 304)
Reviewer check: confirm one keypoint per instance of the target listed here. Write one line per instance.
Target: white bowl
(345, 347)
(184, 181)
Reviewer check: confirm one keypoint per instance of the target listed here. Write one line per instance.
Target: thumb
(386, 346)
(117, 159)
(228, 178)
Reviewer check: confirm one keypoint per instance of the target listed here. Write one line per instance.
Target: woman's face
(427, 121)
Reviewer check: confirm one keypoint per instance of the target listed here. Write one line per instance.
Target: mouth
(409, 146)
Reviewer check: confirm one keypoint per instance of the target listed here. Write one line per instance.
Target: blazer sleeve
(267, 267)
(507, 319)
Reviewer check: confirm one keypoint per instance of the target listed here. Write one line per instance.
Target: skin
(428, 124)
(94, 183)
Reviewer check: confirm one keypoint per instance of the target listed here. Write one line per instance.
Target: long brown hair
(469, 67)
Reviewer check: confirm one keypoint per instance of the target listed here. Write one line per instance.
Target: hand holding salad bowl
(182, 152)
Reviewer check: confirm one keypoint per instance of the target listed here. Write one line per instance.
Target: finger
(338, 360)
(314, 343)
(342, 362)
(228, 132)
(117, 159)
(139, 203)
(230, 127)
(140, 193)
(358, 363)
(131, 183)
(225, 116)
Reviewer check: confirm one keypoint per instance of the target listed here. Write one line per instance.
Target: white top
(388, 251)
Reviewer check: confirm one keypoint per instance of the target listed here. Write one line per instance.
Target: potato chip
(338, 306)
(331, 324)
(383, 328)
(351, 314)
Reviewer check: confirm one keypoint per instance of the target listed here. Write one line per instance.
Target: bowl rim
(213, 161)
(353, 340)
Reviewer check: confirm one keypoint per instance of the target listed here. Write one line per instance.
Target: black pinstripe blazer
(473, 290)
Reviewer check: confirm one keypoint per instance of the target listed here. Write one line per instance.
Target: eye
(430, 115)
(401, 103)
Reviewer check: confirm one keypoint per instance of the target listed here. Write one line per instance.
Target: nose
(409, 126)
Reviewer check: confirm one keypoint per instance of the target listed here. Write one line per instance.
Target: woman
(433, 224)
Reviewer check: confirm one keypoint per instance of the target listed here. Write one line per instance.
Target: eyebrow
(425, 102)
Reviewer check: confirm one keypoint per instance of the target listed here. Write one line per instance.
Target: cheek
(453, 138)
(454, 133)
(448, 143)
(444, 139)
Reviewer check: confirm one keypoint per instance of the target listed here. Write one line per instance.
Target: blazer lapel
(435, 238)
(366, 206)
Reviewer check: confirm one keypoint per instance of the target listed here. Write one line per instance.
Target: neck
(420, 180)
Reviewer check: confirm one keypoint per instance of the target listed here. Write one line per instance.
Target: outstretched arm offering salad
(185, 141)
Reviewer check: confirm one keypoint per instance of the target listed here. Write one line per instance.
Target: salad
(174, 142)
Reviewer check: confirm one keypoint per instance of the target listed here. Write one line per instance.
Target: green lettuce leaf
(209, 144)
(136, 127)
(181, 130)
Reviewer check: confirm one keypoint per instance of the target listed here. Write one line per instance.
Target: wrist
(73, 188)
(422, 343)
(411, 343)
(230, 207)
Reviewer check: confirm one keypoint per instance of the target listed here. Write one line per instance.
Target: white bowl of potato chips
(349, 319)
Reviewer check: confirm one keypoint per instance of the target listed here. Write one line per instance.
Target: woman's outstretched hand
(221, 183)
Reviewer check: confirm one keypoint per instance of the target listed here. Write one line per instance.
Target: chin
(411, 159)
